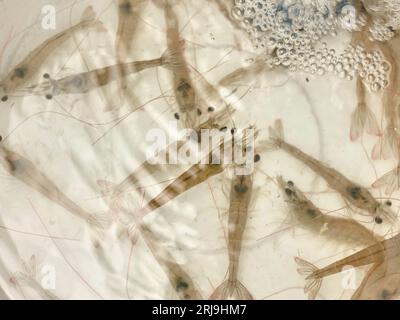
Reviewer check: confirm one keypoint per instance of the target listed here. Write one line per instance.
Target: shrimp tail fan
(276, 137)
(88, 19)
(171, 60)
(231, 290)
(313, 282)
(100, 220)
(390, 180)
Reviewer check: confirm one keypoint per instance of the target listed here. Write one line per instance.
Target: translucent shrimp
(240, 196)
(128, 20)
(383, 256)
(306, 215)
(215, 121)
(390, 139)
(180, 280)
(25, 171)
(351, 192)
(90, 80)
(183, 87)
(31, 64)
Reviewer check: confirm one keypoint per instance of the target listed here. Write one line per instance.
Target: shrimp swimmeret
(90, 80)
(351, 192)
(384, 258)
(240, 196)
(306, 215)
(25, 171)
(28, 67)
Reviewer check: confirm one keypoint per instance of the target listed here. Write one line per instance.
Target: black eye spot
(240, 188)
(49, 96)
(177, 117)
(311, 213)
(389, 203)
(20, 72)
(125, 7)
(199, 113)
(46, 76)
(290, 183)
(288, 192)
(210, 109)
(355, 192)
(378, 220)
(233, 130)
(257, 158)
(181, 285)
(4, 99)
(1, 138)
(308, 80)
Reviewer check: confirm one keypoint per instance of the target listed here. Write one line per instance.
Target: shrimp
(381, 255)
(195, 175)
(179, 279)
(183, 86)
(390, 140)
(25, 171)
(127, 26)
(382, 282)
(240, 196)
(308, 216)
(351, 192)
(28, 67)
(90, 80)
(217, 120)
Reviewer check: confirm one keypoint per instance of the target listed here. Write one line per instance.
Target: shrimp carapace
(240, 196)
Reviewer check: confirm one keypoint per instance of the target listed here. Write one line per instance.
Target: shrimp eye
(4, 99)
(288, 192)
(177, 117)
(210, 109)
(378, 220)
(199, 112)
(290, 183)
(233, 130)
(257, 158)
(223, 129)
(49, 96)
(46, 76)
(389, 203)
(1, 138)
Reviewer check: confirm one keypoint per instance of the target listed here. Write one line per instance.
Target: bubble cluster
(293, 31)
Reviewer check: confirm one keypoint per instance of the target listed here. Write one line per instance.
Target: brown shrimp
(306, 215)
(25, 171)
(240, 195)
(31, 64)
(378, 254)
